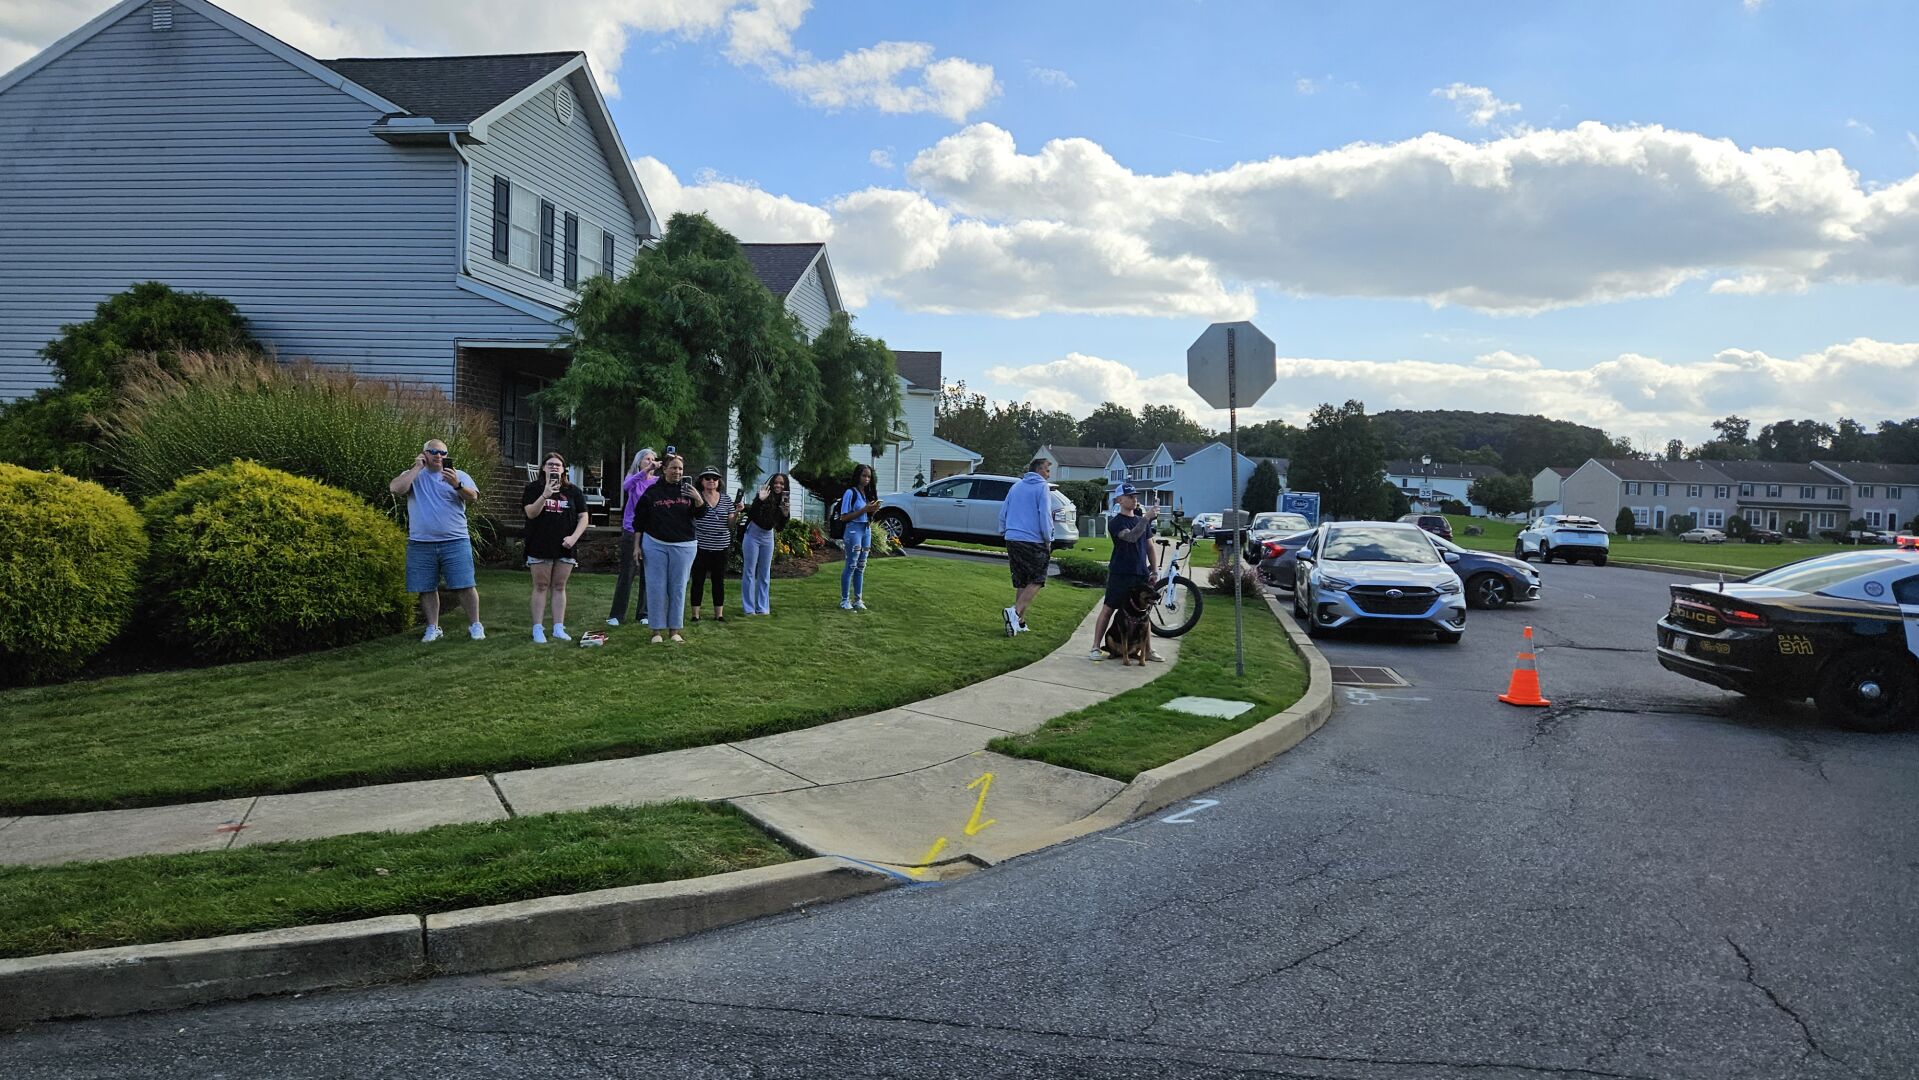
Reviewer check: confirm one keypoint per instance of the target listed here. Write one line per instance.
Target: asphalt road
(1652, 878)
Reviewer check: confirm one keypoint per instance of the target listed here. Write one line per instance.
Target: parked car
(1276, 522)
(1275, 555)
(965, 508)
(1432, 523)
(1702, 536)
(1829, 628)
(1757, 535)
(1204, 524)
(1383, 573)
(1567, 536)
(1492, 580)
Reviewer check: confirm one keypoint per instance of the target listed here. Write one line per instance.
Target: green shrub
(1079, 566)
(1626, 523)
(249, 561)
(1089, 496)
(323, 424)
(70, 557)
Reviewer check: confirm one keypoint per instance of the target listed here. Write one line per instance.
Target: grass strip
(394, 709)
(153, 898)
(1125, 735)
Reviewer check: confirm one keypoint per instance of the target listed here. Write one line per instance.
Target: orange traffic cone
(1524, 688)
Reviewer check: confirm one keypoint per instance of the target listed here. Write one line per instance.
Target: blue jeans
(667, 568)
(756, 577)
(429, 561)
(859, 540)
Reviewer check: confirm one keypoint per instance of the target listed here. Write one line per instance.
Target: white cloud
(1476, 103)
(1305, 87)
(872, 76)
(1860, 125)
(756, 32)
(1913, 140)
(1052, 77)
(1752, 5)
(747, 211)
(1628, 395)
(882, 159)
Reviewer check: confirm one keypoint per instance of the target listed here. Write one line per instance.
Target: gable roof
(1440, 469)
(450, 89)
(781, 266)
(1180, 451)
(1133, 455)
(1563, 470)
(922, 370)
(1664, 472)
(1871, 472)
(1080, 457)
(1774, 472)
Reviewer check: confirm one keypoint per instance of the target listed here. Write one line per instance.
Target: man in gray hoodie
(1026, 523)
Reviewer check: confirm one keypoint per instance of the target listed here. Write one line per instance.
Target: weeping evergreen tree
(687, 340)
(859, 401)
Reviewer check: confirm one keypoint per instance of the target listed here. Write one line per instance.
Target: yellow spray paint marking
(974, 824)
(931, 853)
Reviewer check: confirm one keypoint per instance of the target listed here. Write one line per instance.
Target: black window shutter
(572, 250)
(502, 217)
(606, 254)
(546, 240)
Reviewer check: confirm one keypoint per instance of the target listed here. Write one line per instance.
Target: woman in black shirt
(555, 520)
(665, 521)
(766, 515)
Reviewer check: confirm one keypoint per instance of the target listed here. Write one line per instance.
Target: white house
(1546, 488)
(1079, 462)
(1444, 481)
(917, 456)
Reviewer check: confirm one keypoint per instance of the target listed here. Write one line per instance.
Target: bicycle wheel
(1177, 609)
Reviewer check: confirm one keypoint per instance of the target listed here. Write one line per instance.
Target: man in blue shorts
(437, 546)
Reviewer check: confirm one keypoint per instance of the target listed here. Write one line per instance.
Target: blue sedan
(1492, 581)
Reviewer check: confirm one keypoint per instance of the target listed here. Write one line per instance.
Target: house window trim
(1692, 491)
(524, 196)
(1722, 491)
(1828, 519)
(1745, 491)
(1713, 519)
(1772, 491)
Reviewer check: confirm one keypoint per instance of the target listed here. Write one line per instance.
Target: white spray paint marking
(1185, 817)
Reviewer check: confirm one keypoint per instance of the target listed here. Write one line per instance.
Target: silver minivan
(965, 508)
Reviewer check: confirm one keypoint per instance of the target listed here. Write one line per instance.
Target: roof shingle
(780, 266)
(450, 89)
(920, 369)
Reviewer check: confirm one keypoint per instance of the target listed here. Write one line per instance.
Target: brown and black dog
(1128, 636)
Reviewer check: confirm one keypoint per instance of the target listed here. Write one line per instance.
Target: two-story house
(1078, 462)
(1444, 481)
(1655, 492)
(1546, 484)
(1195, 476)
(1774, 494)
(1883, 496)
(420, 219)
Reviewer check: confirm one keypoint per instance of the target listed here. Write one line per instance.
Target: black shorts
(1119, 586)
(1029, 562)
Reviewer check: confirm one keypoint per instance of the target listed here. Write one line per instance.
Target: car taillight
(1063, 514)
(1741, 617)
(1274, 550)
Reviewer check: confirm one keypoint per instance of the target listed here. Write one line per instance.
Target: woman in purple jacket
(644, 471)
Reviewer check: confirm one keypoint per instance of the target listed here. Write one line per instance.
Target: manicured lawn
(1128, 734)
(395, 709)
(173, 897)
(1732, 557)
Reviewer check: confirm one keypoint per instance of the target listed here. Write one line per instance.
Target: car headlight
(1334, 584)
(1450, 588)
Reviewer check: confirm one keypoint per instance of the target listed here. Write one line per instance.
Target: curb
(139, 978)
(1227, 759)
(168, 975)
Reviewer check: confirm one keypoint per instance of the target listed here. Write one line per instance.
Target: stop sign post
(1231, 361)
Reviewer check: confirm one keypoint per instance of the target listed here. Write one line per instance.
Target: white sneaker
(859, 605)
(560, 634)
(616, 622)
(539, 634)
(1011, 618)
(432, 634)
(1023, 627)
(1096, 655)
(846, 605)
(476, 632)
(642, 620)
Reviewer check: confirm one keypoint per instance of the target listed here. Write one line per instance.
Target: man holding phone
(437, 545)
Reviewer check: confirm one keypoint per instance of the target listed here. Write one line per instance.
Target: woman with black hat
(715, 533)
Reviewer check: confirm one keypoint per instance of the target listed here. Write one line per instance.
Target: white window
(1752, 517)
(1722, 492)
(524, 244)
(1772, 491)
(1639, 515)
(1828, 520)
(590, 251)
(1894, 493)
(1715, 519)
(1807, 493)
(1745, 491)
(1692, 491)
(1875, 519)
(1659, 490)
(1632, 488)
(1835, 494)
(1865, 491)
(1164, 471)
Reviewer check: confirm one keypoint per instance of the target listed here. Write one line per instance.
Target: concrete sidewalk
(906, 786)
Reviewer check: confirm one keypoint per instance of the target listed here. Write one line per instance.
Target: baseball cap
(1125, 489)
(710, 471)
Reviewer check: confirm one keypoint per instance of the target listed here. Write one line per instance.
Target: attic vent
(162, 15)
(563, 104)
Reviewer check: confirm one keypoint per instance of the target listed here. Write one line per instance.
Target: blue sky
(1638, 215)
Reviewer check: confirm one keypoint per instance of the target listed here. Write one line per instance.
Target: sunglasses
(438, 453)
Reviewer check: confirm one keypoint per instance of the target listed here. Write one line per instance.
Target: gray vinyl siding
(809, 304)
(564, 164)
(196, 158)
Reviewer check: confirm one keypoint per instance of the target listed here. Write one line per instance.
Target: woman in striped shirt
(714, 530)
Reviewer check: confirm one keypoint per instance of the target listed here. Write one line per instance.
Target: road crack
(1752, 977)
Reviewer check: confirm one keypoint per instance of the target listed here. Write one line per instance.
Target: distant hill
(1521, 445)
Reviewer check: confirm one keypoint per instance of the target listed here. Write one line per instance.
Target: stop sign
(1254, 364)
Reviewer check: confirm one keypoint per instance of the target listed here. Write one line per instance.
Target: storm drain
(1367, 676)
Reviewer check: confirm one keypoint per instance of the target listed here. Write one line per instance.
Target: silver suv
(965, 508)
(1377, 573)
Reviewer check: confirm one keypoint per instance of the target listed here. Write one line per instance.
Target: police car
(1840, 629)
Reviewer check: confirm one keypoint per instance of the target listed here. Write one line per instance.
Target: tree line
(1893, 442)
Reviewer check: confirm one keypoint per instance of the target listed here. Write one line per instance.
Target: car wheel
(1599, 560)
(1520, 552)
(1449, 637)
(1871, 690)
(898, 527)
(1546, 553)
(1488, 591)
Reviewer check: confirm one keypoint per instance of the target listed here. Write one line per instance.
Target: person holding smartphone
(438, 547)
(856, 508)
(714, 534)
(766, 515)
(1134, 561)
(556, 518)
(641, 475)
(666, 519)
